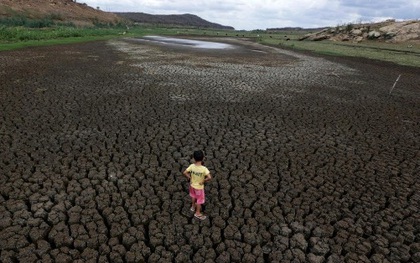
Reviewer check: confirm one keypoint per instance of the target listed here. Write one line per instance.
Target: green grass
(19, 37)
(19, 34)
(51, 42)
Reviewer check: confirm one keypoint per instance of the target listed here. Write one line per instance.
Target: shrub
(39, 23)
(7, 33)
(25, 22)
(349, 27)
(54, 16)
(13, 21)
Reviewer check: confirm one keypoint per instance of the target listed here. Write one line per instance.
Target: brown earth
(65, 10)
(314, 159)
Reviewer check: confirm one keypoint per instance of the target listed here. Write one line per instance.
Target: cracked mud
(313, 158)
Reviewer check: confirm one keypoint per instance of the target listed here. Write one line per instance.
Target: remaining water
(189, 42)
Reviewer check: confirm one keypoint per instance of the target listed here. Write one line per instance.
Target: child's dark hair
(198, 156)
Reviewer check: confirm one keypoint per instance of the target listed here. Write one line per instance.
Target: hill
(181, 20)
(62, 10)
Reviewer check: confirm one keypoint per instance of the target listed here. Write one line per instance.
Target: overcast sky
(262, 14)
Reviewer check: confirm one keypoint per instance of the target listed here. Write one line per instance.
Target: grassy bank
(399, 53)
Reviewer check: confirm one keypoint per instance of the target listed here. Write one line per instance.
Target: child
(198, 175)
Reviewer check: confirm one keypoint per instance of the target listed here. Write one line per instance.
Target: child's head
(198, 156)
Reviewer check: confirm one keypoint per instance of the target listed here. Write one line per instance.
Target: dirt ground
(314, 159)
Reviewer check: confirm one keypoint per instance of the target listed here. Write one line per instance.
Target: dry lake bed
(314, 159)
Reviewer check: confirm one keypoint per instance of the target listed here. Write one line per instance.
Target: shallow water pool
(189, 42)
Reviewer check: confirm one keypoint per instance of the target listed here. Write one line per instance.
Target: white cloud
(262, 14)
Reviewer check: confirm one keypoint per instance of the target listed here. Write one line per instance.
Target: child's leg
(193, 202)
(200, 201)
(193, 199)
(198, 209)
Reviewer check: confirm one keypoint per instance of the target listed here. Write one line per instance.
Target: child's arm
(187, 174)
(207, 178)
